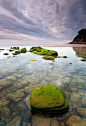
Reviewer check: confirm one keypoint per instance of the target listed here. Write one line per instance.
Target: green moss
(70, 63)
(49, 98)
(16, 48)
(51, 63)
(6, 54)
(23, 50)
(18, 52)
(64, 56)
(14, 53)
(59, 56)
(11, 50)
(42, 51)
(33, 60)
(84, 59)
(17, 69)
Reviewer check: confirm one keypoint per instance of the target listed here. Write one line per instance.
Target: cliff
(80, 38)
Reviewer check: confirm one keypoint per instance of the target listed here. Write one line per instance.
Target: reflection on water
(80, 51)
(20, 74)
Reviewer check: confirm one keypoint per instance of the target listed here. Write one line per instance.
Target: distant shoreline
(77, 45)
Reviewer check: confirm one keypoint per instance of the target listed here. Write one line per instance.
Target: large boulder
(48, 98)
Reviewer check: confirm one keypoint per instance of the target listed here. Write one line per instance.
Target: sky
(42, 22)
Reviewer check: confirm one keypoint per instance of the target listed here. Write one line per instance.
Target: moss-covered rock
(15, 53)
(18, 52)
(48, 57)
(16, 48)
(84, 59)
(21, 107)
(75, 121)
(5, 112)
(42, 51)
(6, 54)
(15, 121)
(23, 50)
(48, 98)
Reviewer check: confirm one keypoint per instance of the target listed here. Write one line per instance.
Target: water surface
(19, 75)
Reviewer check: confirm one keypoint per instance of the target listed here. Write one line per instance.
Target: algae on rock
(48, 98)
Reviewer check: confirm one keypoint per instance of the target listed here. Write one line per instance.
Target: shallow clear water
(19, 75)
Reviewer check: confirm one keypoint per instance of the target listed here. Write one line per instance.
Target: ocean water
(26, 71)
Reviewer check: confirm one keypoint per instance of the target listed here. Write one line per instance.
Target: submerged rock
(48, 57)
(5, 112)
(48, 98)
(84, 101)
(81, 112)
(75, 121)
(37, 121)
(16, 96)
(21, 107)
(15, 121)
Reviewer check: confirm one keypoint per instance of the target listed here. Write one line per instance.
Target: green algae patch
(84, 59)
(48, 57)
(33, 60)
(48, 98)
(42, 51)
(6, 54)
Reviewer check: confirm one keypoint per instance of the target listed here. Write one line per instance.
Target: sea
(20, 74)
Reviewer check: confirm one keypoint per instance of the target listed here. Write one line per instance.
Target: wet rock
(5, 102)
(75, 121)
(27, 116)
(21, 107)
(5, 83)
(5, 112)
(28, 89)
(48, 57)
(84, 101)
(48, 98)
(6, 54)
(16, 96)
(75, 98)
(2, 123)
(38, 121)
(23, 50)
(72, 87)
(11, 78)
(81, 112)
(15, 121)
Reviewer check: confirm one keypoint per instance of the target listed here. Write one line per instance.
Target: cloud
(44, 19)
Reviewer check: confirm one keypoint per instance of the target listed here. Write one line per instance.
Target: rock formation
(80, 38)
